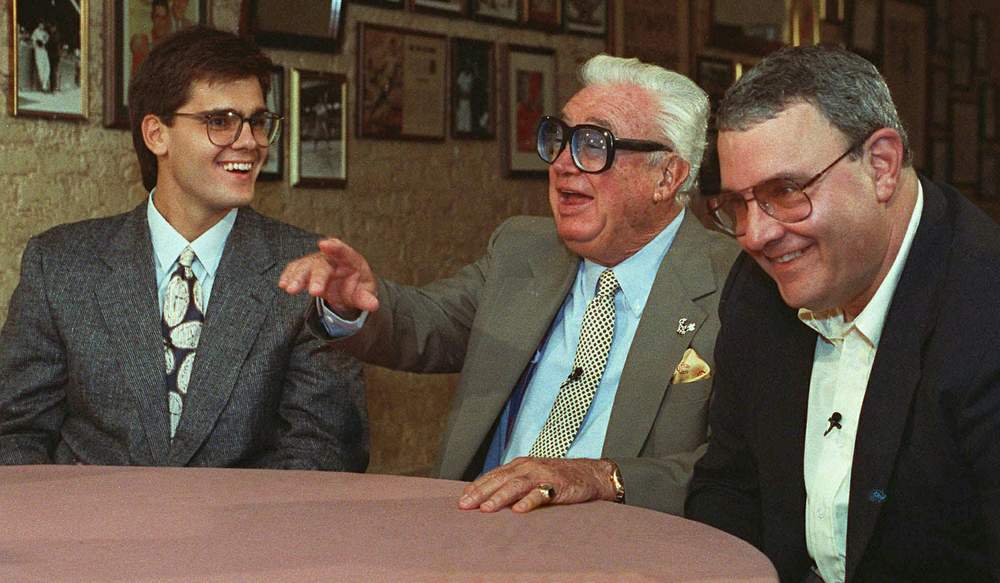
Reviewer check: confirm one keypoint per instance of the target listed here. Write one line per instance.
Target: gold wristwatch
(616, 481)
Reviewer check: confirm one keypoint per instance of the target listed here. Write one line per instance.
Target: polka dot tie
(183, 314)
(579, 388)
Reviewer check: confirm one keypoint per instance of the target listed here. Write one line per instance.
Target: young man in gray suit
(157, 337)
(585, 343)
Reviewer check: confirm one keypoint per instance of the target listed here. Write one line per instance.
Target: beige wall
(417, 210)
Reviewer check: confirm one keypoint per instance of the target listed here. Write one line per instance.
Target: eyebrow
(225, 110)
(597, 121)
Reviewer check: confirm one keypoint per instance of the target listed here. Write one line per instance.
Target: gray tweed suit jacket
(82, 362)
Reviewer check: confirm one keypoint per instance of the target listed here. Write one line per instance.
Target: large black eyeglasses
(224, 127)
(781, 198)
(591, 147)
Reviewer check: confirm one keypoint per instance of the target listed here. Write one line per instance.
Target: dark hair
(164, 79)
(847, 90)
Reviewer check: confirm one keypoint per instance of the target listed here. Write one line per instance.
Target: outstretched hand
(338, 274)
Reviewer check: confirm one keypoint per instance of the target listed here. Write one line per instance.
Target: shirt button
(820, 513)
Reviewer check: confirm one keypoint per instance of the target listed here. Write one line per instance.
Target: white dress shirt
(842, 362)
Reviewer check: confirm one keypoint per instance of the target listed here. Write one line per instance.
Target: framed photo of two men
(48, 73)
(132, 27)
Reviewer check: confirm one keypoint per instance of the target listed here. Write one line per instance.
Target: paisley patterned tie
(183, 313)
(578, 390)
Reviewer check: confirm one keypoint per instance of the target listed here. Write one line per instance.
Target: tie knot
(607, 284)
(186, 258)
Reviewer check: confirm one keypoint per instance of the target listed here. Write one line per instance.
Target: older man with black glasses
(584, 341)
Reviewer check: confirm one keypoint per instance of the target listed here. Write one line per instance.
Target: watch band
(616, 481)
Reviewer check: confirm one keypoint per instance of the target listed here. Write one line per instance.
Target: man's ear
(155, 134)
(885, 147)
(674, 172)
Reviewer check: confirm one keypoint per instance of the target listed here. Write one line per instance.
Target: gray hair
(682, 118)
(847, 90)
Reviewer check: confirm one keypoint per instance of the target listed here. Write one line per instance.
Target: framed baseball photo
(318, 131)
(473, 74)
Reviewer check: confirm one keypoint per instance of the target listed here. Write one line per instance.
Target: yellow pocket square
(691, 368)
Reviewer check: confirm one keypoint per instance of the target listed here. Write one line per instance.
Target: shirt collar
(168, 243)
(635, 274)
(831, 325)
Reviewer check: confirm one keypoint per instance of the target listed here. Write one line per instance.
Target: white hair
(682, 116)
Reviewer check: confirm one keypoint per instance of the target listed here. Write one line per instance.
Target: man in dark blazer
(95, 347)
(856, 418)
(510, 321)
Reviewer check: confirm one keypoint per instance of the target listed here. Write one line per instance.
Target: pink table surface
(93, 523)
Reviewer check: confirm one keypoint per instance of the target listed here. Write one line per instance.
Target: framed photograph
(503, 11)
(941, 159)
(529, 88)
(454, 7)
(938, 90)
(989, 163)
(318, 129)
(832, 11)
(980, 42)
(715, 76)
(964, 149)
(941, 26)
(274, 166)
(473, 89)
(864, 27)
(586, 16)
(543, 14)
(48, 72)
(643, 26)
(988, 111)
(401, 83)
(314, 25)
(132, 27)
(961, 64)
(904, 66)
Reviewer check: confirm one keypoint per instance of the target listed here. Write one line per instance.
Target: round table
(95, 523)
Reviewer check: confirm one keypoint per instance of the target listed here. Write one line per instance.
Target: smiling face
(607, 217)
(839, 255)
(197, 181)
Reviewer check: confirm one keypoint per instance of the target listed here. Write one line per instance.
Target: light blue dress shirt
(168, 244)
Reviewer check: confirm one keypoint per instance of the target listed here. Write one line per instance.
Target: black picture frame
(318, 129)
(473, 89)
(314, 25)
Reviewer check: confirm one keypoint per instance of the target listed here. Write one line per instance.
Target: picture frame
(904, 65)
(964, 149)
(318, 129)
(274, 167)
(961, 64)
(401, 83)
(731, 27)
(500, 11)
(980, 43)
(131, 27)
(449, 7)
(715, 75)
(864, 27)
(642, 27)
(49, 59)
(587, 17)
(542, 14)
(473, 89)
(529, 90)
(988, 111)
(314, 25)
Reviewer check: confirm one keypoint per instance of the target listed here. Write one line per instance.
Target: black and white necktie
(579, 388)
(183, 314)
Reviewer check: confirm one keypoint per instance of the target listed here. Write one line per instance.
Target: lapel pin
(683, 326)
(877, 496)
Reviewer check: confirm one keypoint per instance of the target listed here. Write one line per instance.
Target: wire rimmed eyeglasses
(224, 127)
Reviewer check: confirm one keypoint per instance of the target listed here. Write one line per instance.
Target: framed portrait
(988, 111)
(904, 66)
(980, 42)
(586, 16)
(132, 27)
(473, 89)
(965, 151)
(318, 129)
(961, 64)
(986, 185)
(643, 25)
(940, 26)
(503, 11)
(941, 159)
(314, 25)
(274, 166)
(715, 76)
(453, 7)
(864, 27)
(543, 14)
(401, 83)
(48, 73)
(529, 89)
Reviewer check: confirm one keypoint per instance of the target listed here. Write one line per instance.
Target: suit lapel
(684, 276)
(129, 305)
(237, 308)
(895, 374)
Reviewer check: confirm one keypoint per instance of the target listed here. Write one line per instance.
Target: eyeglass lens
(780, 198)
(588, 146)
(224, 128)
